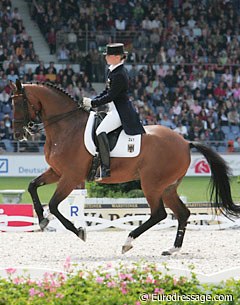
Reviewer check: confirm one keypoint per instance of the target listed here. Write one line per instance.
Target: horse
(160, 166)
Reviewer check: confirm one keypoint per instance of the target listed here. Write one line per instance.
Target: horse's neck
(67, 127)
(59, 113)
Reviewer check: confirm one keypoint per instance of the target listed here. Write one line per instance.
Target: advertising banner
(34, 165)
(15, 210)
(200, 167)
(22, 165)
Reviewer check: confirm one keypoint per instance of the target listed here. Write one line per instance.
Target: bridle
(31, 127)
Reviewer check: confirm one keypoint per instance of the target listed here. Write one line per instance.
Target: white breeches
(111, 120)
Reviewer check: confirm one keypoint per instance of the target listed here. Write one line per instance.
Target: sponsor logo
(201, 167)
(3, 165)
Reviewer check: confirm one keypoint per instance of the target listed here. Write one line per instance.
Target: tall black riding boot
(104, 155)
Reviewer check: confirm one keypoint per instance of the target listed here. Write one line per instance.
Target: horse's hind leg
(158, 213)
(47, 177)
(181, 212)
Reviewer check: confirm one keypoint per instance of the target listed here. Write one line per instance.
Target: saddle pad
(127, 146)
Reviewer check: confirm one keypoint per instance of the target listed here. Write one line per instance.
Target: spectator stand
(181, 53)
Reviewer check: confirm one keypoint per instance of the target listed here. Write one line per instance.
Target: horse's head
(22, 114)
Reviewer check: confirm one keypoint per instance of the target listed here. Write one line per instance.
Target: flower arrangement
(136, 284)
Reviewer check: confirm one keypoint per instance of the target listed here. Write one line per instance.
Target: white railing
(196, 222)
(73, 209)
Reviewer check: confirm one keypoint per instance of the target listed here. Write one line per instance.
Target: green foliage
(122, 190)
(136, 284)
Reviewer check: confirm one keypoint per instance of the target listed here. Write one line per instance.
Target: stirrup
(103, 173)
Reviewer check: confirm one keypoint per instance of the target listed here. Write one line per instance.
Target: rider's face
(113, 59)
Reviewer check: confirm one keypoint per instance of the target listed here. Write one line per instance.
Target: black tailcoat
(116, 91)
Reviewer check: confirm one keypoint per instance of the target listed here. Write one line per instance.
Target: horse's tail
(220, 191)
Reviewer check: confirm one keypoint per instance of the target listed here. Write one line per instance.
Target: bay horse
(160, 166)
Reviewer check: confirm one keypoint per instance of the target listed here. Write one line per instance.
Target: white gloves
(87, 103)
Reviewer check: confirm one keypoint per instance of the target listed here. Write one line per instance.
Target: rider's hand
(87, 103)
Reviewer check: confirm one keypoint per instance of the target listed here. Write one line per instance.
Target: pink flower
(126, 276)
(129, 277)
(175, 281)
(149, 280)
(59, 295)
(109, 265)
(67, 264)
(41, 294)
(10, 270)
(46, 275)
(111, 284)
(81, 274)
(138, 303)
(159, 290)
(122, 276)
(17, 280)
(124, 290)
(99, 279)
(33, 292)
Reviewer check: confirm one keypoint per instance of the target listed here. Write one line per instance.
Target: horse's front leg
(64, 188)
(47, 177)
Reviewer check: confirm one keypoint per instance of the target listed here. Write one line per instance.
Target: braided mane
(58, 88)
(62, 90)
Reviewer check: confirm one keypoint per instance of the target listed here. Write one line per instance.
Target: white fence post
(73, 207)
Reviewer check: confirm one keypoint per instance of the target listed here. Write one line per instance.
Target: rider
(121, 110)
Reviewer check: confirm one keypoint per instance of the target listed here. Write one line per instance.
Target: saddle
(120, 144)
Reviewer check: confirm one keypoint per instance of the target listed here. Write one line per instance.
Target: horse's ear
(19, 85)
(12, 86)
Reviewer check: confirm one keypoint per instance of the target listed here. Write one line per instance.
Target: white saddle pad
(127, 146)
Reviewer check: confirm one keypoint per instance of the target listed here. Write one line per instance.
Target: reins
(58, 117)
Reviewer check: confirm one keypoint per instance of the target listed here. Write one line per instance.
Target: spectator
(236, 145)
(233, 117)
(40, 68)
(4, 97)
(182, 130)
(196, 107)
(63, 53)
(120, 23)
(51, 38)
(165, 121)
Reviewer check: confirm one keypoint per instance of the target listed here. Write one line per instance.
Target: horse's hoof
(82, 234)
(126, 248)
(166, 253)
(43, 223)
(171, 251)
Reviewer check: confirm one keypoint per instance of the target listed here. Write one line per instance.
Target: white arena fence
(126, 214)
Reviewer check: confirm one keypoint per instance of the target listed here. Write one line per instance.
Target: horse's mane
(62, 90)
(58, 88)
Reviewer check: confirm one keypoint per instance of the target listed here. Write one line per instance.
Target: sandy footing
(209, 252)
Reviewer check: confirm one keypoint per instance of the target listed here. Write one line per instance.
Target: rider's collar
(112, 67)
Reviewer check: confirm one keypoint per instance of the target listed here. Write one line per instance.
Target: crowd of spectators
(156, 31)
(183, 61)
(16, 48)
